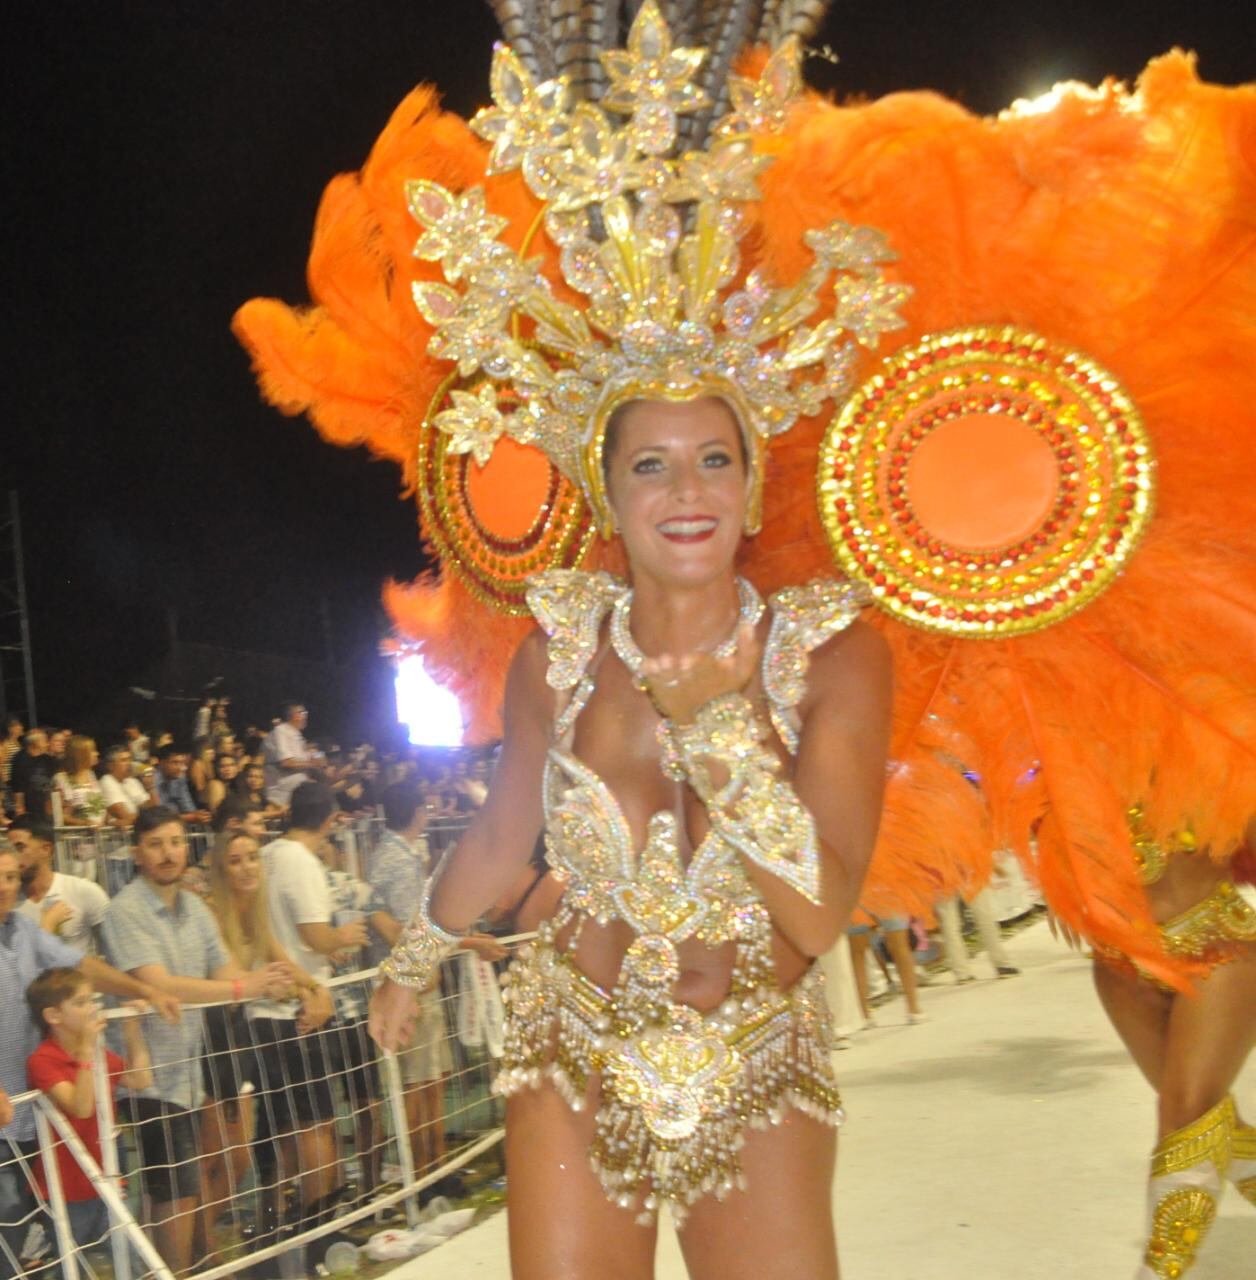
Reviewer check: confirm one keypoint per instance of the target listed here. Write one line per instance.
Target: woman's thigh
(1211, 1034)
(1140, 1013)
(562, 1226)
(781, 1226)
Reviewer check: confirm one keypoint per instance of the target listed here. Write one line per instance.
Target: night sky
(164, 163)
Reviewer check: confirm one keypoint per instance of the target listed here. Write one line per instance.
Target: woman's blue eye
(719, 459)
(645, 465)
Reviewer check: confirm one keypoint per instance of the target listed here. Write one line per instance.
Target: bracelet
(237, 990)
(415, 960)
(757, 811)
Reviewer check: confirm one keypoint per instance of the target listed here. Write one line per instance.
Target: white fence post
(107, 1127)
(119, 1214)
(401, 1131)
(56, 1198)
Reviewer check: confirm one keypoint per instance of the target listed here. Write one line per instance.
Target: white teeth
(687, 527)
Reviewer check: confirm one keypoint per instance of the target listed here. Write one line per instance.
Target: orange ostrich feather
(1124, 225)
(1120, 223)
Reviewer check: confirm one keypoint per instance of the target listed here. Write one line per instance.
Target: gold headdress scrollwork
(649, 236)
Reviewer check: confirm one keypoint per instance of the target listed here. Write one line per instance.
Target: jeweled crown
(648, 233)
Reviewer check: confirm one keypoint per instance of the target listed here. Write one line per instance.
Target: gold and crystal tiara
(649, 238)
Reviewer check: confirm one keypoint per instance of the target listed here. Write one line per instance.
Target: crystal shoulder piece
(803, 618)
(569, 605)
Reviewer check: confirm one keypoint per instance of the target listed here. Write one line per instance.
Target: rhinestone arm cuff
(757, 810)
(416, 958)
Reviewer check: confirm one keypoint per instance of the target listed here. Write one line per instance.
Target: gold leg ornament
(1186, 1183)
(1243, 1160)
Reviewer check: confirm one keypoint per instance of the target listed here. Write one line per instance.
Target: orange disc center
(982, 481)
(506, 494)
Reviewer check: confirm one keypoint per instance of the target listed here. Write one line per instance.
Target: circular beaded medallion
(986, 482)
(495, 525)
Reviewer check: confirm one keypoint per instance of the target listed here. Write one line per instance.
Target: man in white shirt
(287, 756)
(68, 906)
(125, 795)
(295, 1069)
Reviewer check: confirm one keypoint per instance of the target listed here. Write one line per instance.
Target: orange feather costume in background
(1119, 223)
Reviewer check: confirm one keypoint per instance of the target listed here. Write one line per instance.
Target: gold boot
(1243, 1159)
(1186, 1182)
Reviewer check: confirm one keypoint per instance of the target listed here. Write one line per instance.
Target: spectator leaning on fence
(236, 814)
(30, 775)
(237, 898)
(298, 1069)
(166, 937)
(399, 871)
(26, 951)
(289, 759)
(136, 741)
(65, 1012)
(14, 732)
(125, 795)
(173, 791)
(69, 906)
(82, 804)
(219, 786)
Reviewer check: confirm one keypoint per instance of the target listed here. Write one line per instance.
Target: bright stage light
(429, 711)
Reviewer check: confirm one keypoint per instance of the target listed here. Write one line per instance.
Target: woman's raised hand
(680, 686)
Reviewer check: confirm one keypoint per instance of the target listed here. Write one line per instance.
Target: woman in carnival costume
(621, 294)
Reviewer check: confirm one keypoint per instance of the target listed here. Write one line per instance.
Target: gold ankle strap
(1208, 1138)
(1243, 1140)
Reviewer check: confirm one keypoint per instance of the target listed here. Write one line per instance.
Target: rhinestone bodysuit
(676, 1087)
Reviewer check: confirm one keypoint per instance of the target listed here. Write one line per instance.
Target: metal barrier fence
(298, 1137)
(103, 854)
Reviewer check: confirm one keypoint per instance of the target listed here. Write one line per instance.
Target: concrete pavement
(1005, 1137)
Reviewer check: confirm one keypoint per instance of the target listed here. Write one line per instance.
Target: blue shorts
(888, 924)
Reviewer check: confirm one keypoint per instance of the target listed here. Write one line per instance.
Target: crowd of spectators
(58, 774)
(273, 911)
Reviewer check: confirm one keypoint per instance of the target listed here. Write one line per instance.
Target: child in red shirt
(63, 1006)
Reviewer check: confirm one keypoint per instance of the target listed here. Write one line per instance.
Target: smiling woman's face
(676, 476)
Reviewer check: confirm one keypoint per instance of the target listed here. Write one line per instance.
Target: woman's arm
(839, 775)
(834, 796)
(504, 830)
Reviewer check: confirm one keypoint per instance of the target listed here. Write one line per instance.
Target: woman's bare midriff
(1188, 879)
(704, 971)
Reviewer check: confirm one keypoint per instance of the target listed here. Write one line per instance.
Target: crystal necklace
(751, 610)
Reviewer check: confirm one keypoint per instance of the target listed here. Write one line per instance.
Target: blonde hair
(78, 754)
(247, 934)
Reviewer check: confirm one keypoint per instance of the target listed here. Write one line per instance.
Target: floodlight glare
(429, 711)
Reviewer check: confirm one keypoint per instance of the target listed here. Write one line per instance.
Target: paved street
(1005, 1137)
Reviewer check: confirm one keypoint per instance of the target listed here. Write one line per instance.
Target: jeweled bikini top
(590, 844)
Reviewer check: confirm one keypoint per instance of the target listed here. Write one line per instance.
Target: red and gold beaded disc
(986, 482)
(495, 525)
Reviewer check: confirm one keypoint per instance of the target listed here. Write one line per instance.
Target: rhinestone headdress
(649, 234)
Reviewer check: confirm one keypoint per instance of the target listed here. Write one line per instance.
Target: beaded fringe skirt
(675, 1097)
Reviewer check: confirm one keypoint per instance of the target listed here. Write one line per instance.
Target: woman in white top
(82, 803)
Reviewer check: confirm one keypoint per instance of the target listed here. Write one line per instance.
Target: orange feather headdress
(1116, 225)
